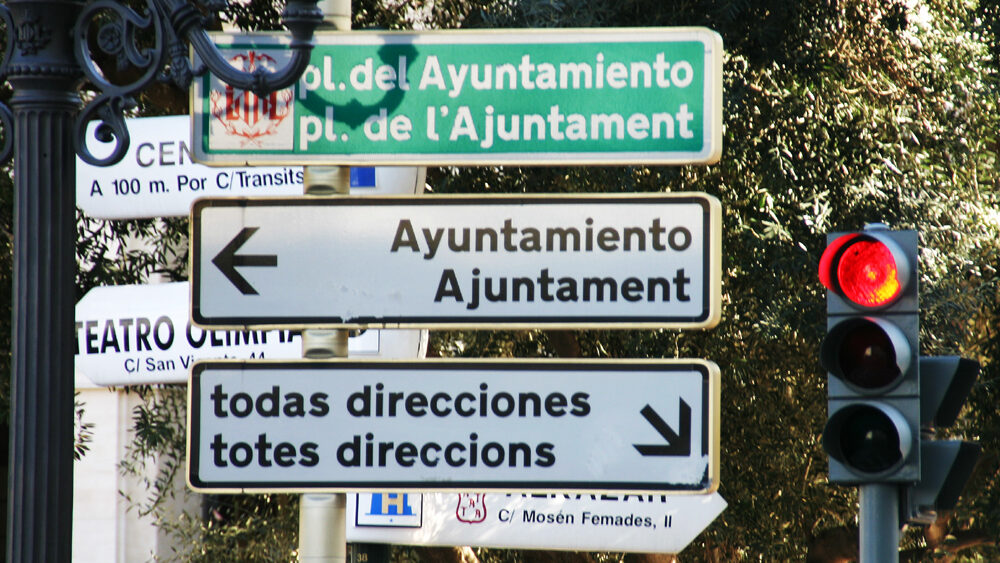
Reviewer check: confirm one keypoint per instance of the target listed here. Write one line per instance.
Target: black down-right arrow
(677, 444)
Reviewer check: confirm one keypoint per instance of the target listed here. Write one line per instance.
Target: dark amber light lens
(867, 274)
(870, 441)
(868, 357)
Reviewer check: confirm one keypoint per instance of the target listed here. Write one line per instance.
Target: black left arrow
(678, 444)
(227, 260)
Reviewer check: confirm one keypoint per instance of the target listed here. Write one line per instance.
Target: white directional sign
(158, 177)
(650, 260)
(141, 334)
(626, 425)
(578, 522)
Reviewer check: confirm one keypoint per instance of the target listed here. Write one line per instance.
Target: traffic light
(947, 464)
(871, 353)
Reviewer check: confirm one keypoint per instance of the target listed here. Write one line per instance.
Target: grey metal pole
(336, 14)
(323, 517)
(42, 72)
(320, 518)
(879, 523)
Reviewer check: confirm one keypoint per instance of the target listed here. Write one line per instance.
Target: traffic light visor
(866, 270)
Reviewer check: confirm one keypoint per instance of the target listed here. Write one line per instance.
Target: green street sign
(577, 96)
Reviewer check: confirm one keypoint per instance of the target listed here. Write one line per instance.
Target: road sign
(580, 96)
(604, 522)
(601, 261)
(158, 177)
(141, 334)
(627, 425)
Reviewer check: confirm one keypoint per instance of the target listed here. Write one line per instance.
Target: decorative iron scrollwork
(116, 31)
(6, 116)
(154, 46)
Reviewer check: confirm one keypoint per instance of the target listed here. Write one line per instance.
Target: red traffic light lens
(864, 270)
(867, 273)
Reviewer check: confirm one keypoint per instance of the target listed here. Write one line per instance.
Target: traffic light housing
(947, 464)
(871, 354)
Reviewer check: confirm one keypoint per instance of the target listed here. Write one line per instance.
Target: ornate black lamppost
(48, 55)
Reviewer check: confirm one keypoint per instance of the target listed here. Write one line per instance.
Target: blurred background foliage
(837, 113)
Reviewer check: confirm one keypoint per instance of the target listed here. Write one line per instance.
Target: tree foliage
(836, 113)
